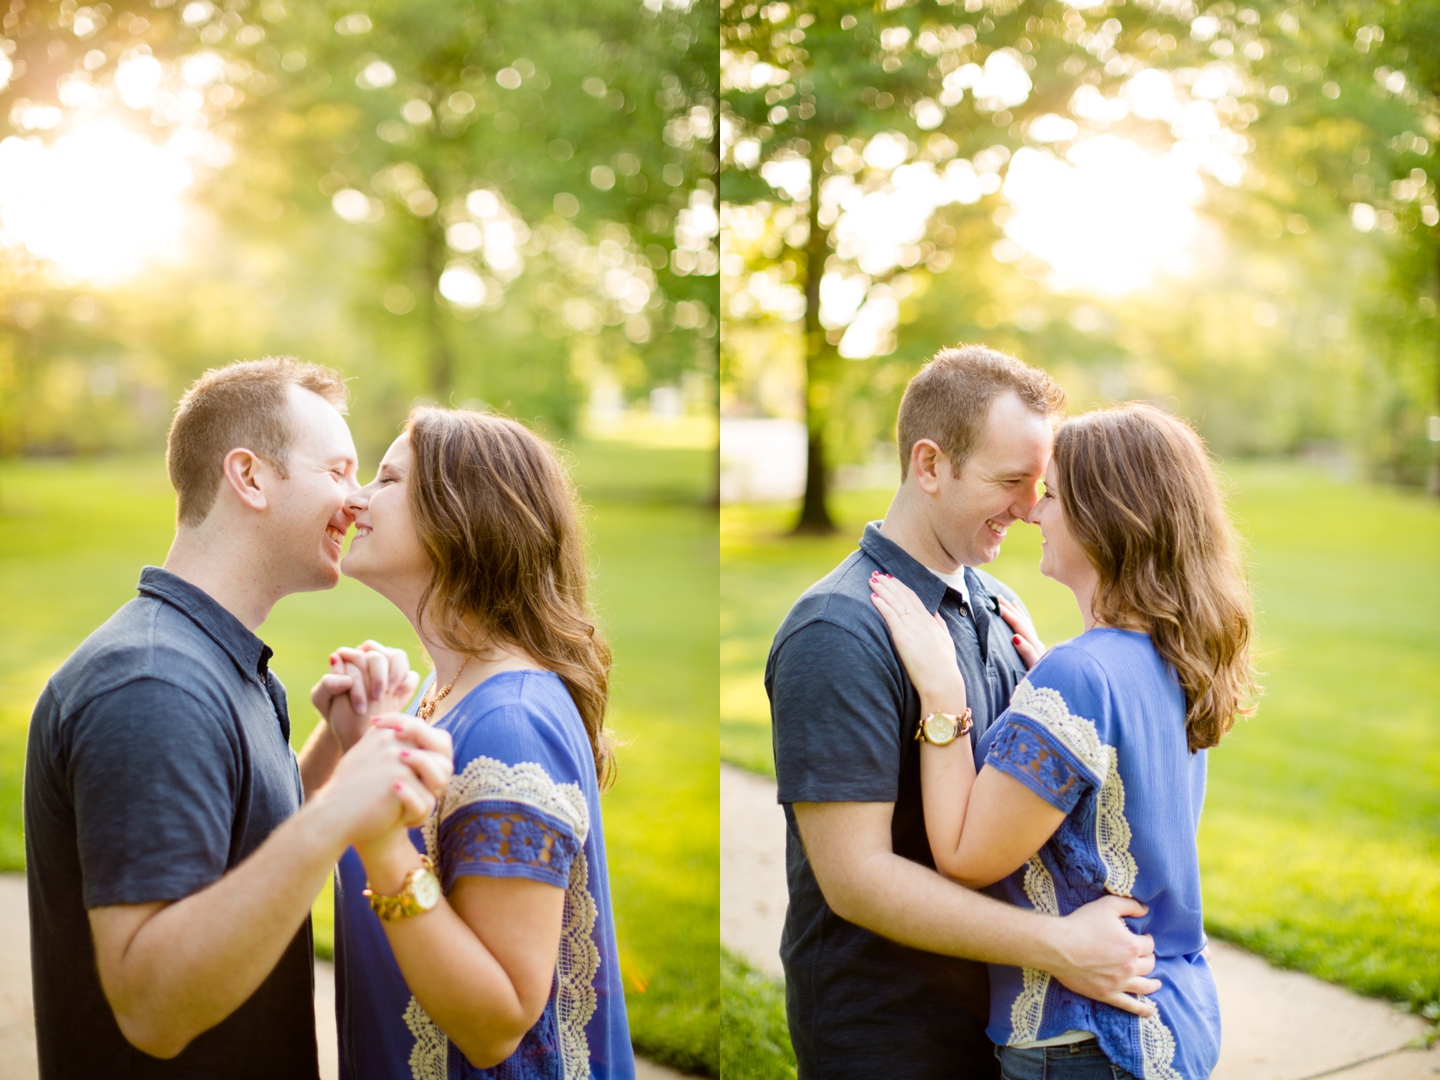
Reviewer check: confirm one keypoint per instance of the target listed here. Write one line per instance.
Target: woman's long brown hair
(499, 518)
(1140, 497)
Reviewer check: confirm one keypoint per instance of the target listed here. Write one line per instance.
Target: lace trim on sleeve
(526, 786)
(505, 839)
(1080, 736)
(1026, 751)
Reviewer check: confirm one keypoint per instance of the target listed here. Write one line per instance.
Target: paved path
(17, 1018)
(1279, 1025)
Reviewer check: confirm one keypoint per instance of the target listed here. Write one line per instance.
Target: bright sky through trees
(101, 199)
(97, 203)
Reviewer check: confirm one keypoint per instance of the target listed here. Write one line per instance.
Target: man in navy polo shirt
(881, 953)
(171, 866)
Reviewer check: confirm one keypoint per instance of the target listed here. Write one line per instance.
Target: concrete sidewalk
(17, 1018)
(1278, 1025)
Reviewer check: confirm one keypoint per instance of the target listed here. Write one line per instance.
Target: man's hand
(1102, 959)
(1026, 641)
(361, 684)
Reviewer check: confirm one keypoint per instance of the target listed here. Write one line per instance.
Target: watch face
(940, 728)
(426, 890)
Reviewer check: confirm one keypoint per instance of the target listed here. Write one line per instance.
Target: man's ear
(246, 473)
(926, 461)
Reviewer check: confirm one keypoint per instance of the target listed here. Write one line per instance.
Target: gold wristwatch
(943, 728)
(419, 894)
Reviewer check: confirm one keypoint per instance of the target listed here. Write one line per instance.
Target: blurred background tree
(476, 201)
(1227, 207)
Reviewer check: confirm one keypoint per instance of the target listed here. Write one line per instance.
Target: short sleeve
(1026, 751)
(155, 779)
(1065, 702)
(506, 838)
(836, 706)
(515, 808)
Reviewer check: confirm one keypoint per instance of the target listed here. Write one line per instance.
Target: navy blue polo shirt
(844, 715)
(158, 759)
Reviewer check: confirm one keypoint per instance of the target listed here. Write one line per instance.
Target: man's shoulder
(840, 600)
(144, 639)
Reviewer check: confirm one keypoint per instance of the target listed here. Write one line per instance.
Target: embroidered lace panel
(1028, 1009)
(1157, 1047)
(1047, 708)
(486, 780)
(1024, 746)
(506, 839)
(1078, 735)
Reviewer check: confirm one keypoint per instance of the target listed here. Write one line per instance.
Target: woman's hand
(923, 642)
(363, 683)
(1026, 641)
(429, 753)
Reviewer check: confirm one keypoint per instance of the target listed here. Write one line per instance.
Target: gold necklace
(428, 705)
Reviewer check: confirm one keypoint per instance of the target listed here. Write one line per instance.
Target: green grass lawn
(74, 534)
(1321, 830)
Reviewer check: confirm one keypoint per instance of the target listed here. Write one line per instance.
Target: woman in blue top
(1093, 779)
(481, 944)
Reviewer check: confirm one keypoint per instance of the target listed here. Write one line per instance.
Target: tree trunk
(441, 373)
(820, 356)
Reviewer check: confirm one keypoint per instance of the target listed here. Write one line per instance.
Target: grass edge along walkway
(754, 1035)
(1319, 845)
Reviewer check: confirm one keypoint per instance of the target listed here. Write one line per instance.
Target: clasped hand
(394, 767)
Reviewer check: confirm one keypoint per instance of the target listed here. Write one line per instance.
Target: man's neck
(907, 528)
(222, 569)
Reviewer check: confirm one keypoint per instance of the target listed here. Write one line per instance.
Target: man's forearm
(195, 961)
(915, 906)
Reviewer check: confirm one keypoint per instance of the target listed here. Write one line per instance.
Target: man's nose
(1024, 506)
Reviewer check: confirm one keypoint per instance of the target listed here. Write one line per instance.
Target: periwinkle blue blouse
(523, 802)
(1097, 730)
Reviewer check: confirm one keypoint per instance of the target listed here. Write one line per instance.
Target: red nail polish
(404, 753)
(397, 786)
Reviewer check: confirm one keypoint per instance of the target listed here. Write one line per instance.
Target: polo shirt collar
(899, 564)
(251, 655)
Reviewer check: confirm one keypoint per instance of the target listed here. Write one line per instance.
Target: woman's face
(1061, 557)
(385, 553)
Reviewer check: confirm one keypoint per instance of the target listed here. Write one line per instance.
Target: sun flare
(98, 202)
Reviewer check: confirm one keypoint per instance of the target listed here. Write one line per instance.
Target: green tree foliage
(1311, 315)
(465, 200)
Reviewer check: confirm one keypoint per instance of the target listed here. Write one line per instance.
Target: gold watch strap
(963, 723)
(404, 903)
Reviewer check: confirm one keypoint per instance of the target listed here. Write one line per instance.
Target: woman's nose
(358, 499)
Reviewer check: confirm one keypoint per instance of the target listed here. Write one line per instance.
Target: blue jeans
(1077, 1061)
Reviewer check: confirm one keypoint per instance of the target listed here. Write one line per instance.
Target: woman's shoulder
(521, 716)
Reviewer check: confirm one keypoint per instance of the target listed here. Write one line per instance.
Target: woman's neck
(1085, 597)
(463, 672)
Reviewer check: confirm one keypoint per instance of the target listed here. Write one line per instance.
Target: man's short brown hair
(948, 401)
(245, 404)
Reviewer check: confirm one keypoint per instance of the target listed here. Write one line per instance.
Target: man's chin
(988, 550)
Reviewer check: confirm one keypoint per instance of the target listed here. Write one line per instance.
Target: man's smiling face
(997, 485)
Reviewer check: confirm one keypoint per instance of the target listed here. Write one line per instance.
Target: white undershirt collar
(956, 581)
